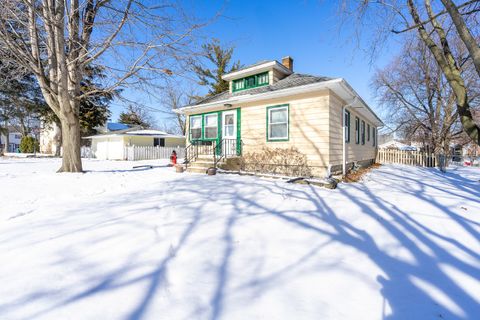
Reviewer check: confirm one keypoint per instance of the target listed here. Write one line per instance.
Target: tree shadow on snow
(402, 283)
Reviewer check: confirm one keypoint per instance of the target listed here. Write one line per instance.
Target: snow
(117, 243)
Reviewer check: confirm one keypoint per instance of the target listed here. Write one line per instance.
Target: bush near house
(29, 145)
(289, 162)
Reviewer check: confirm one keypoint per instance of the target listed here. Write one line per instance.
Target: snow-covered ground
(117, 243)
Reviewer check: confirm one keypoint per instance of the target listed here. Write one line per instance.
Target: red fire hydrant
(173, 157)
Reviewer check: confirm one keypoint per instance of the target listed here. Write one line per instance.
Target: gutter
(327, 85)
(265, 95)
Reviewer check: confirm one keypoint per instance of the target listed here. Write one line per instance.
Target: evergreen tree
(220, 59)
(136, 116)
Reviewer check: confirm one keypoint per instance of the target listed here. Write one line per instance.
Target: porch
(203, 154)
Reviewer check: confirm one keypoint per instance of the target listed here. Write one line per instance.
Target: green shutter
(239, 132)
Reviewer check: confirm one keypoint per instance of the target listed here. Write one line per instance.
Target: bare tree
(57, 39)
(175, 97)
(433, 26)
(417, 98)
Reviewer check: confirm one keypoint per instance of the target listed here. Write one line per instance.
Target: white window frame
(207, 127)
(191, 120)
(269, 117)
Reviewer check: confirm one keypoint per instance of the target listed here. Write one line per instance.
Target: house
(14, 139)
(50, 135)
(269, 106)
(111, 145)
(50, 138)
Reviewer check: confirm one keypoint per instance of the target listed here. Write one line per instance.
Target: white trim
(206, 126)
(256, 69)
(270, 122)
(339, 86)
(234, 113)
(190, 126)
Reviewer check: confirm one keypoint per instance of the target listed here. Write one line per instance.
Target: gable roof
(293, 80)
(136, 131)
(295, 83)
(261, 66)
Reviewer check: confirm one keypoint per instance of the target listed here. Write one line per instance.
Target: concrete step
(202, 164)
(207, 157)
(197, 170)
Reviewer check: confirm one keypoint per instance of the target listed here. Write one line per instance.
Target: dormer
(260, 74)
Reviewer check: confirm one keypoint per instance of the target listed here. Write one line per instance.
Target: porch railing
(218, 150)
(199, 147)
(227, 148)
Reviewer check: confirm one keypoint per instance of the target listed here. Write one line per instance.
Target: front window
(158, 142)
(196, 127)
(277, 123)
(211, 126)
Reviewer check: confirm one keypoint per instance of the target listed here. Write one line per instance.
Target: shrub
(29, 145)
(289, 162)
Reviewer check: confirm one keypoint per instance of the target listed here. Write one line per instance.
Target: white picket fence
(85, 152)
(151, 153)
(412, 158)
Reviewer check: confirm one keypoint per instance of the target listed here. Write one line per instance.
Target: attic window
(254, 81)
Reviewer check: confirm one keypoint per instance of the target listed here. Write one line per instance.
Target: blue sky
(308, 31)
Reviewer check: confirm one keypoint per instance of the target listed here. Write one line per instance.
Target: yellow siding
(308, 129)
(315, 129)
(355, 152)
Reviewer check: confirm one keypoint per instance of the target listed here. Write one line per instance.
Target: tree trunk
(71, 160)
(7, 137)
(57, 128)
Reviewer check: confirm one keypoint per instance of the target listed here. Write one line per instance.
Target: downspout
(344, 144)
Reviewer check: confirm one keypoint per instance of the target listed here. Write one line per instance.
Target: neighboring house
(397, 145)
(50, 135)
(111, 145)
(14, 138)
(268, 105)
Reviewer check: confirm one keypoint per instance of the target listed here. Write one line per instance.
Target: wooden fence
(152, 153)
(412, 158)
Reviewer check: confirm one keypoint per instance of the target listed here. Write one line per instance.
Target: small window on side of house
(347, 126)
(368, 132)
(374, 133)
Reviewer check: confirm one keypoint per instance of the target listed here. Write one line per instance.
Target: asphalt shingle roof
(293, 80)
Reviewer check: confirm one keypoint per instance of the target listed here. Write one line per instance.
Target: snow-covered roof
(147, 132)
(137, 132)
(394, 144)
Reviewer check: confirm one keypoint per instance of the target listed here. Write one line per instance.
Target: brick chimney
(288, 62)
